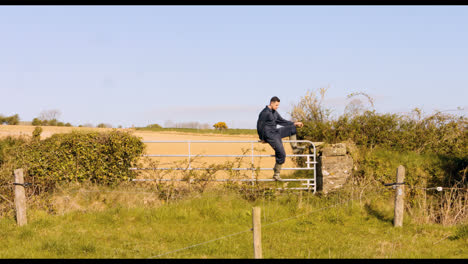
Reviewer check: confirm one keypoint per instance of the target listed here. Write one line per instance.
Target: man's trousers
(274, 136)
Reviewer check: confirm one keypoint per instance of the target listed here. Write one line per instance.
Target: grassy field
(99, 223)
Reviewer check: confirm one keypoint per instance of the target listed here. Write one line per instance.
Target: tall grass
(128, 222)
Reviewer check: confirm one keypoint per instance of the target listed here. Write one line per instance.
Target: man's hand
(298, 124)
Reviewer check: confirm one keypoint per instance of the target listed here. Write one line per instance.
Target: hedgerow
(99, 157)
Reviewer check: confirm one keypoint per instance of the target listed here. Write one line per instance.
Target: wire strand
(195, 245)
(279, 221)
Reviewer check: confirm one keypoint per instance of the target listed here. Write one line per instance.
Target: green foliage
(220, 126)
(6, 144)
(427, 169)
(49, 122)
(154, 126)
(9, 120)
(102, 125)
(36, 135)
(36, 122)
(436, 145)
(433, 149)
(79, 156)
(439, 133)
(460, 233)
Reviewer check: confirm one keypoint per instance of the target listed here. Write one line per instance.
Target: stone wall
(334, 167)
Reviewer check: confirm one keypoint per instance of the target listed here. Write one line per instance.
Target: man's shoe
(296, 149)
(278, 178)
(276, 174)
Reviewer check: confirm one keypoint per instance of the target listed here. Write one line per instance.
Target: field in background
(230, 131)
(182, 148)
(6, 130)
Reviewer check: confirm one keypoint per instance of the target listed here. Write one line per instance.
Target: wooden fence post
(399, 197)
(20, 198)
(257, 232)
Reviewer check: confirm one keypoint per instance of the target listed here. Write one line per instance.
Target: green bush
(436, 145)
(102, 125)
(36, 122)
(154, 126)
(9, 120)
(36, 134)
(52, 122)
(6, 144)
(420, 169)
(439, 133)
(45, 122)
(78, 156)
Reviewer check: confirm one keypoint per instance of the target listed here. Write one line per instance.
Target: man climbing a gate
(268, 133)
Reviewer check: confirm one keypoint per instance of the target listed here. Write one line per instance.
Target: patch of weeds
(55, 246)
(88, 247)
(460, 233)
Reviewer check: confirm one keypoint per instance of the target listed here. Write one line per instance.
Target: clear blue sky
(138, 65)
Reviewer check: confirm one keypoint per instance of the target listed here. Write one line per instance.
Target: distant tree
(52, 122)
(168, 123)
(87, 125)
(220, 126)
(154, 126)
(49, 118)
(102, 125)
(13, 120)
(36, 122)
(191, 125)
(188, 125)
(50, 114)
(355, 106)
(205, 126)
(10, 120)
(68, 124)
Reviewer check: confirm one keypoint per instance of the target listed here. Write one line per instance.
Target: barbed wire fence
(338, 204)
(251, 229)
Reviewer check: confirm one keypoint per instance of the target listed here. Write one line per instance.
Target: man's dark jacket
(267, 121)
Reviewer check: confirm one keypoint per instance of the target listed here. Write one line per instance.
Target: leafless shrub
(50, 114)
